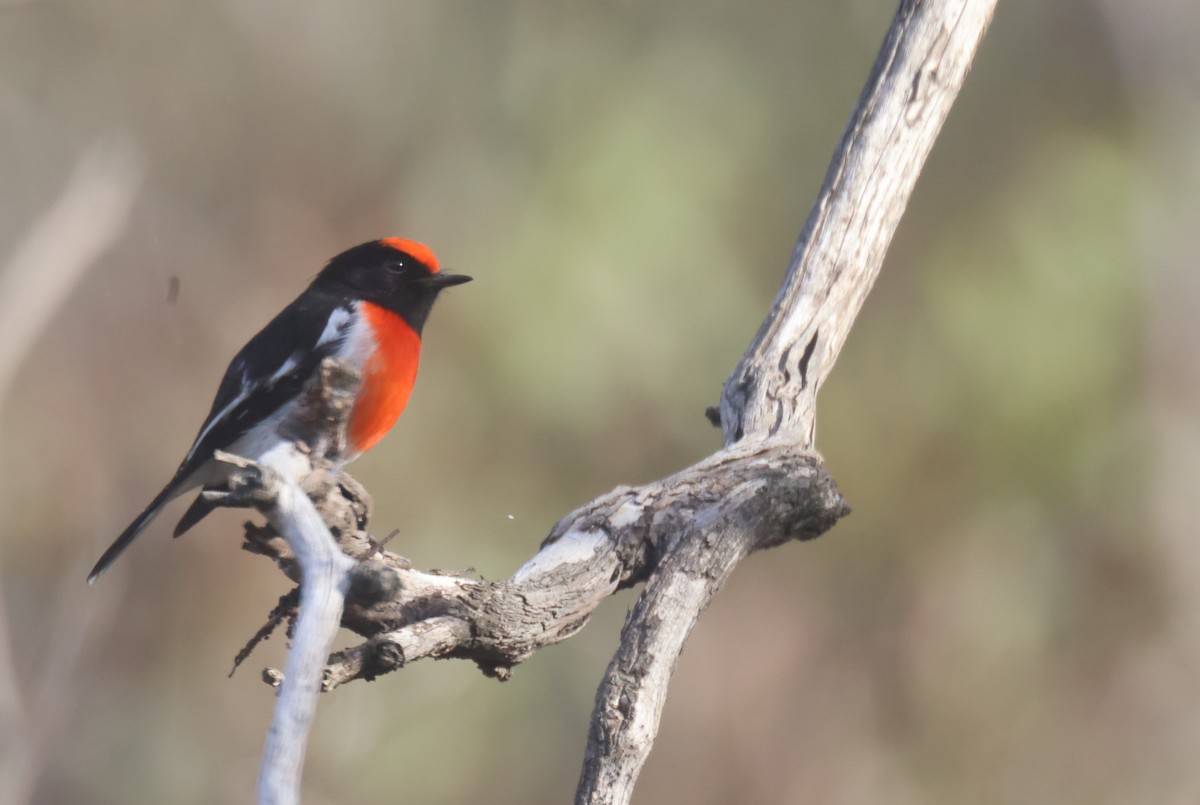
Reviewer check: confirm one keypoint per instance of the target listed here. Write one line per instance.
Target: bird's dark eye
(396, 266)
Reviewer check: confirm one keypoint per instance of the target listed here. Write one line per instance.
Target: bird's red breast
(388, 377)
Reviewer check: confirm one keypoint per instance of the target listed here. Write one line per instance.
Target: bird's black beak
(442, 280)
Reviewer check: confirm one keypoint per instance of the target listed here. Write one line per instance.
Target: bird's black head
(397, 274)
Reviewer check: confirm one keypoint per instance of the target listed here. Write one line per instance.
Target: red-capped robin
(368, 306)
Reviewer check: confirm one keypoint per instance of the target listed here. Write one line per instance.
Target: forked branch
(683, 535)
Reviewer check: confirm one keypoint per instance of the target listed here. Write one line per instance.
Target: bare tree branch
(682, 535)
(917, 75)
(771, 395)
(326, 577)
(318, 436)
(614, 542)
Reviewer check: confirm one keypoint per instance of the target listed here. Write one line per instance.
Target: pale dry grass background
(1008, 617)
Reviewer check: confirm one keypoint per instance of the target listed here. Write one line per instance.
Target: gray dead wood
(326, 578)
(682, 535)
(770, 397)
(317, 436)
(917, 75)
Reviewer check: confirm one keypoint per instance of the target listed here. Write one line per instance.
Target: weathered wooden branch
(771, 395)
(917, 75)
(325, 579)
(682, 535)
(612, 543)
(318, 435)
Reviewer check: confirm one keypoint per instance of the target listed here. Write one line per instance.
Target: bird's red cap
(417, 250)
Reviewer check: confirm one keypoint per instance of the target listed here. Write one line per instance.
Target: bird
(367, 306)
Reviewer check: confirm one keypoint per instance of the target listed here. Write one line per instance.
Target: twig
(285, 609)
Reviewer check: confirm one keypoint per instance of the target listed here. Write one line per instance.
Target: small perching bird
(368, 307)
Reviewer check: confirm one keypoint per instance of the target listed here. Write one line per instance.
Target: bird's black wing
(270, 370)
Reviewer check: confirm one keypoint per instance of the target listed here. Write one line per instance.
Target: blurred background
(1011, 614)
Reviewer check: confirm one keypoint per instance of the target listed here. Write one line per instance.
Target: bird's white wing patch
(288, 366)
(359, 344)
(338, 325)
(337, 329)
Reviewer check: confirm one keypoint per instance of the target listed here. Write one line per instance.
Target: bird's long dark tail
(199, 509)
(170, 491)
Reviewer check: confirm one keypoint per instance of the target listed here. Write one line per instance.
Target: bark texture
(682, 535)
